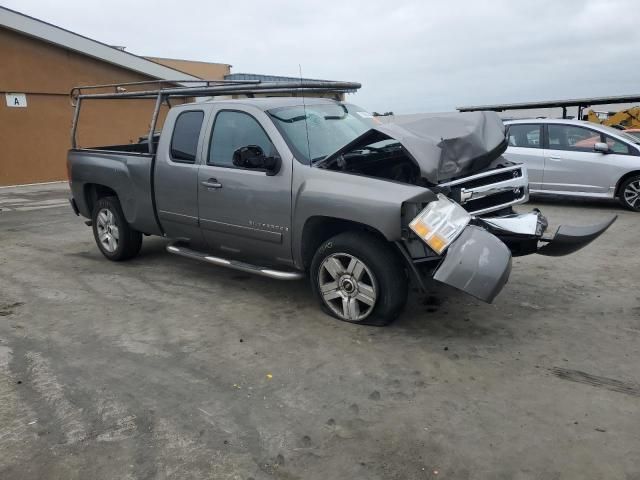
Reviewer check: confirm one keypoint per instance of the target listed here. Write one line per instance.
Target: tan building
(210, 71)
(40, 63)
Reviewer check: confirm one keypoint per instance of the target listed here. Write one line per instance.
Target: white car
(577, 158)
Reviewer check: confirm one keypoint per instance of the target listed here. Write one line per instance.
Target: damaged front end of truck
(473, 253)
(468, 236)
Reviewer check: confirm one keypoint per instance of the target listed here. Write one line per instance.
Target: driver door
(245, 213)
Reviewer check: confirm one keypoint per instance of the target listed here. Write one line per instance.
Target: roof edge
(47, 32)
(150, 57)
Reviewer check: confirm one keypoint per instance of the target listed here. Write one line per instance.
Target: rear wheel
(358, 278)
(630, 193)
(114, 236)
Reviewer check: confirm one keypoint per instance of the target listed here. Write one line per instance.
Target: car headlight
(440, 223)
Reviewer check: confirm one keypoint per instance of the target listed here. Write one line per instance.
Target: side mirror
(272, 165)
(601, 147)
(252, 156)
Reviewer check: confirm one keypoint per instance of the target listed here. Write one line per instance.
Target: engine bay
(390, 162)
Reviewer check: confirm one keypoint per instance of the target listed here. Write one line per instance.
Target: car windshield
(635, 134)
(315, 131)
(621, 133)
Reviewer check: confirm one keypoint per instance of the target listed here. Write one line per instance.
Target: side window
(527, 136)
(569, 137)
(617, 146)
(184, 142)
(233, 130)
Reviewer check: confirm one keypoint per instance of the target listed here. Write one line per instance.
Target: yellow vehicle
(624, 119)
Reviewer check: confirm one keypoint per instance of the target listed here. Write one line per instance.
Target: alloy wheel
(108, 232)
(632, 194)
(347, 286)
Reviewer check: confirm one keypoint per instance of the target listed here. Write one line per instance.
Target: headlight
(440, 223)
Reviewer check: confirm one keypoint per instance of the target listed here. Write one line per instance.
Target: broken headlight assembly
(440, 223)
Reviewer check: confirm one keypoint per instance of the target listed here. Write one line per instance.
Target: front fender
(364, 200)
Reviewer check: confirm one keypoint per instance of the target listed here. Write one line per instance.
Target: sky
(411, 56)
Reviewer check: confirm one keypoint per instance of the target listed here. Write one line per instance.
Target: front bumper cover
(568, 239)
(478, 262)
(531, 227)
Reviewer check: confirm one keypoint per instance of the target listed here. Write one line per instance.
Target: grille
(494, 178)
(491, 190)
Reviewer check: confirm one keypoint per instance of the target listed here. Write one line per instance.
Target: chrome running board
(183, 251)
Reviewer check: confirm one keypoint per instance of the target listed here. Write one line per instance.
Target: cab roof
(268, 103)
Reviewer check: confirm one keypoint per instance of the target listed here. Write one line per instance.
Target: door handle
(211, 183)
(555, 159)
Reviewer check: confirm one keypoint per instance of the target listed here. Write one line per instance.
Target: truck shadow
(447, 313)
(443, 313)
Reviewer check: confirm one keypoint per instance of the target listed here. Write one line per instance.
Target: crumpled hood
(445, 145)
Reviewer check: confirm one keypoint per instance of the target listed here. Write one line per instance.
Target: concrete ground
(162, 367)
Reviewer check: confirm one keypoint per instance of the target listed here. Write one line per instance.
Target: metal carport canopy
(573, 102)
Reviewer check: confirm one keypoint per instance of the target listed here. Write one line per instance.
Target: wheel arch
(318, 229)
(94, 192)
(624, 178)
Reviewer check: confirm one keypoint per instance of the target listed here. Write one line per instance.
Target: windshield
(328, 127)
(635, 134)
(621, 133)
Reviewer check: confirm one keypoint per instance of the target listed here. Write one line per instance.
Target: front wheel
(358, 278)
(114, 236)
(630, 193)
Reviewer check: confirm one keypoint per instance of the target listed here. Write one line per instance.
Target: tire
(362, 278)
(114, 236)
(629, 193)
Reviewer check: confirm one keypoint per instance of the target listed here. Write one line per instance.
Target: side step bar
(183, 251)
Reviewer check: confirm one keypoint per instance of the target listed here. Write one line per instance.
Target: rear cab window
(186, 132)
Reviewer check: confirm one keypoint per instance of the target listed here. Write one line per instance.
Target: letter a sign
(16, 100)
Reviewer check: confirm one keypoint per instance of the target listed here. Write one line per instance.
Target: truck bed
(123, 169)
(141, 147)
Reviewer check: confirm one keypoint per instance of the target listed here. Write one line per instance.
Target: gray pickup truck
(288, 187)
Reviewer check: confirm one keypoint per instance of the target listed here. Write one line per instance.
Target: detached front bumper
(527, 233)
(478, 262)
